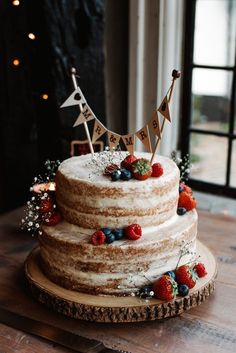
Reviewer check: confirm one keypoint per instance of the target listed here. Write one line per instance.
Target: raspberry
(157, 170)
(54, 219)
(187, 201)
(133, 232)
(98, 238)
(200, 269)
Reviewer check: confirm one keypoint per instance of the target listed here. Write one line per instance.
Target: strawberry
(133, 232)
(127, 162)
(186, 188)
(185, 275)
(200, 270)
(46, 205)
(98, 238)
(165, 288)
(54, 219)
(187, 201)
(141, 169)
(157, 170)
(110, 168)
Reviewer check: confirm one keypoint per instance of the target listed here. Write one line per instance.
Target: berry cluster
(108, 235)
(186, 200)
(174, 283)
(133, 167)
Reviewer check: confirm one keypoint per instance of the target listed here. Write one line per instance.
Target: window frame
(186, 128)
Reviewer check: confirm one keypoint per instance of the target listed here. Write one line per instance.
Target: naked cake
(93, 201)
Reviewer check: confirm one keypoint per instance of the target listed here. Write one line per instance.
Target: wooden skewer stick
(73, 73)
(175, 74)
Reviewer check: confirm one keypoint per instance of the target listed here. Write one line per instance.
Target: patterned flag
(84, 116)
(143, 135)
(129, 142)
(98, 130)
(75, 98)
(113, 139)
(164, 108)
(154, 124)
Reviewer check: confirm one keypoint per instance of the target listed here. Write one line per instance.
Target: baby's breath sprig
(183, 164)
(185, 250)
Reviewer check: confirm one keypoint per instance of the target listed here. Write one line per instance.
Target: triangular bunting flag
(143, 135)
(98, 130)
(75, 98)
(113, 139)
(154, 124)
(84, 116)
(164, 108)
(129, 142)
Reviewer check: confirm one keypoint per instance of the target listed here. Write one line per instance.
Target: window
(208, 131)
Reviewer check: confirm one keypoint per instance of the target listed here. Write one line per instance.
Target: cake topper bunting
(99, 129)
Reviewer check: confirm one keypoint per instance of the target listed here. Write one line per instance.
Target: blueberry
(171, 274)
(183, 290)
(115, 175)
(106, 231)
(181, 188)
(110, 238)
(181, 211)
(145, 292)
(125, 174)
(118, 233)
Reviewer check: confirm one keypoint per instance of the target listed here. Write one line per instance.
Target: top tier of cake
(94, 201)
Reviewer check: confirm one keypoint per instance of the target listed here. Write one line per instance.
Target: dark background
(32, 129)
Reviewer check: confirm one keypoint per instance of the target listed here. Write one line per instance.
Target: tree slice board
(116, 309)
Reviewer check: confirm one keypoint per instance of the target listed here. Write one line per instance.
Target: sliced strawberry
(98, 237)
(165, 288)
(157, 170)
(187, 201)
(133, 232)
(141, 169)
(127, 162)
(54, 219)
(200, 269)
(185, 275)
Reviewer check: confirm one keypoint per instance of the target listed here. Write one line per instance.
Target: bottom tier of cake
(69, 259)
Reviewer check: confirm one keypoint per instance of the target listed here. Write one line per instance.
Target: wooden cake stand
(116, 309)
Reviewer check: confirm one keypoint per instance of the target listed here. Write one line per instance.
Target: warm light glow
(16, 2)
(43, 187)
(44, 96)
(52, 186)
(16, 62)
(31, 36)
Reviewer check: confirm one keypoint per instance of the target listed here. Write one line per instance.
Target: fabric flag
(113, 139)
(98, 130)
(154, 124)
(164, 108)
(143, 135)
(129, 142)
(84, 116)
(75, 98)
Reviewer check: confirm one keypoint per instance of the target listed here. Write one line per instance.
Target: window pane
(214, 36)
(209, 156)
(211, 99)
(233, 166)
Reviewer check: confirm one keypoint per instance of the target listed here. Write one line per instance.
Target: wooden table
(211, 327)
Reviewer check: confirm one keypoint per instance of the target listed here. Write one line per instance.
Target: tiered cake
(89, 202)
